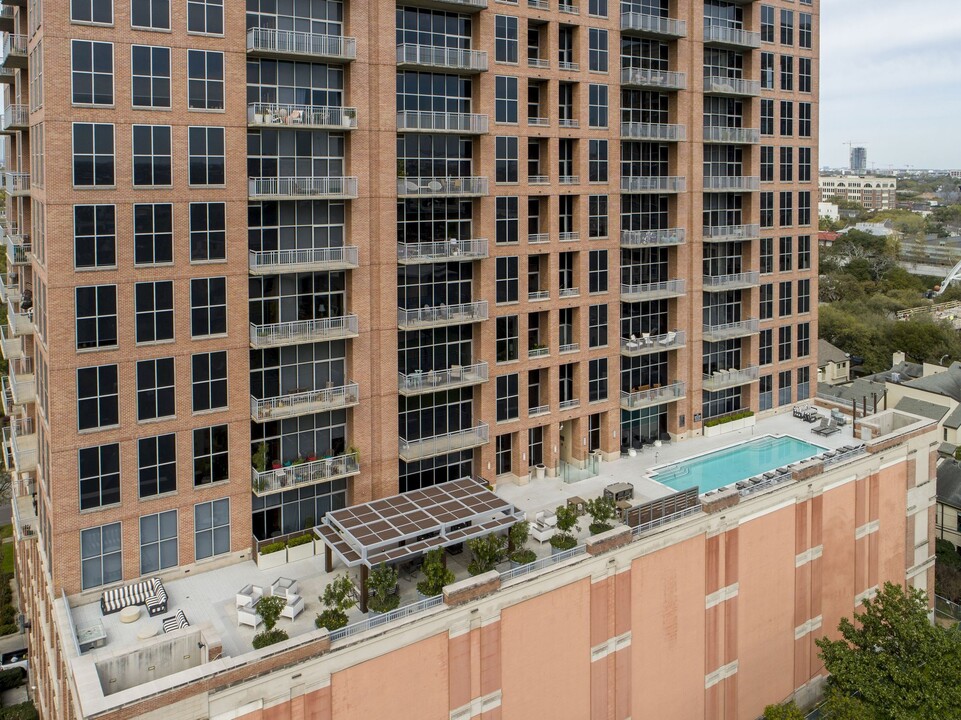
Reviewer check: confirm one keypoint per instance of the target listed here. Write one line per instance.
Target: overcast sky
(891, 79)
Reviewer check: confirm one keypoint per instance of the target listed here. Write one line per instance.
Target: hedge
(23, 711)
(740, 415)
(300, 540)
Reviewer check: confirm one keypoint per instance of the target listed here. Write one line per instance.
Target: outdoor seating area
(149, 593)
(646, 341)
(250, 595)
(175, 622)
(827, 426)
(806, 413)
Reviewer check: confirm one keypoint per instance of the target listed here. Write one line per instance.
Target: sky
(891, 81)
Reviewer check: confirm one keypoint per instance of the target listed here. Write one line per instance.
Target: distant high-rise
(859, 160)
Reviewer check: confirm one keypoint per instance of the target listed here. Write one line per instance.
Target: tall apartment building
(859, 160)
(505, 237)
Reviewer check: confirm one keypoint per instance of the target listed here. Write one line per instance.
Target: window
(767, 209)
(150, 14)
(152, 157)
(96, 314)
(784, 343)
(206, 151)
(767, 117)
(210, 455)
(506, 338)
(212, 528)
(597, 160)
(505, 39)
(804, 207)
(804, 119)
(597, 8)
(94, 236)
(100, 558)
(506, 159)
(99, 469)
(803, 340)
(804, 164)
(785, 254)
(506, 223)
(154, 311)
(786, 209)
(506, 281)
(787, 27)
(805, 32)
(153, 234)
(767, 71)
(209, 379)
(766, 392)
(157, 464)
(205, 16)
(597, 326)
(597, 380)
(91, 65)
(803, 296)
(787, 118)
(597, 50)
(767, 163)
(150, 76)
(804, 75)
(787, 72)
(597, 271)
(208, 231)
(597, 105)
(785, 299)
(804, 252)
(205, 80)
(507, 395)
(766, 347)
(597, 216)
(767, 301)
(784, 388)
(93, 161)
(91, 11)
(803, 383)
(158, 542)
(767, 255)
(208, 306)
(155, 389)
(97, 400)
(505, 104)
(767, 23)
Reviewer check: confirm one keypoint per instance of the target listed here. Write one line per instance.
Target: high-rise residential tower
(859, 160)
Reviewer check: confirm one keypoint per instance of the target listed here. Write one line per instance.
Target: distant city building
(874, 193)
(859, 159)
(954, 173)
(885, 229)
(829, 211)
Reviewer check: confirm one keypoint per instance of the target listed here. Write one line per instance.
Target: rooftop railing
(303, 331)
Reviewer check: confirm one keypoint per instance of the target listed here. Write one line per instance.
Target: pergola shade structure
(406, 526)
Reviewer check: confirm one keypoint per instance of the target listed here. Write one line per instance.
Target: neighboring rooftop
(946, 383)
(949, 483)
(828, 353)
(930, 410)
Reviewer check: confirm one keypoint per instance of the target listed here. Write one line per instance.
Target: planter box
(300, 552)
(272, 560)
(731, 426)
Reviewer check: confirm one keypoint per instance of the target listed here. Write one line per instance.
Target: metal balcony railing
(23, 387)
(569, 179)
(569, 292)
(567, 348)
(539, 4)
(303, 331)
(721, 35)
(568, 8)
(304, 402)
(537, 180)
(461, 6)
(727, 233)
(540, 63)
(722, 379)
(653, 25)
(21, 323)
(652, 291)
(433, 56)
(17, 183)
(569, 404)
(647, 344)
(732, 135)
(568, 65)
(538, 352)
(9, 291)
(717, 85)
(538, 121)
(652, 396)
(538, 238)
(23, 444)
(288, 42)
(730, 331)
(420, 383)
(656, 79)
(18, 248)
(538, 295)
(655, 184)
(569, 236)
(302, 188)
(568, 123)
(731, 183)
(13, 52)
(302, 116)
(10, 346)
(734, 281)
(441, 122)
(266, 262)
(455, 441)
(538, 410)
(442, 315)
(292, 476)
(653, 238)
(652, 131)
(442, 251)
(467, 186)
(16, 117)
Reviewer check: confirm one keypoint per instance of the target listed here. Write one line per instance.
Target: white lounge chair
(293, 608)
(249, 595)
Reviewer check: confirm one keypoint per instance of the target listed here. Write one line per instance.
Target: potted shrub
(602, 512)
(269, 608)
(300, 547)
(272, 555)
(383, 595)
(338, 598)
(436, 574)
(521, 555)
(564, 538)
(486, 552)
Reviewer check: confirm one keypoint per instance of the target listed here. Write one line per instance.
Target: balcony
(20, 323)
(738, 87)
(723, 379)
(652, 25)
(538, 295)
(17, 183)
(538, 121)
(568, 65)
(455, 441)
(668, 237)
(538, 352)
(21, 441)
(652, 291)
(302, 188)
(6, 396)
(568, 8)
(453, 250)
(730, 331)
(7, 76)
(730, 233)
(655, 184)
(441, 122)
(23, 386)
(735, 281)
(13, 52)
(301, 332)
(305, 402)
(442, 186)
(651, 397)
(731, 183)
(6, 18)
(570, 123)
(458, 376)
(427, 317)
(267, 42)
(539, 4)
(538, 180)
(15, 117)
(569, 236)
(733, 37)
(653, 131)
(732, 135)
(308, 473)
(18, 248)
(538, 238)
(539, 410)
(10, 346)
(458, 6)
(435, 57)
(568, 348)
(538, 63)
(9, 291)
(568, 179)
(653, 79)
(269, 262)
(571, 404)
(648, 344)
(569, 292)
(312, 117)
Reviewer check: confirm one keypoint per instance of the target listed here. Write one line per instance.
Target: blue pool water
(728, 466)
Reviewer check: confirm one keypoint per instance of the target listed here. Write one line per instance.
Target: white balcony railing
(653, 25)
(442, 122)
(658, 79)
(652, 131)
(289, 42)
(569, 292)
(721, 35)
(653, 238)
(652, 291)
(9, 289)
(442, 315)
(303, 331)
(305, 116)
(718, 85)
(569, 404)
(307, 473)
(23, 444)
(568, 65)
(652, 396)
(434, 56)
(538, 238)
(567, 348)
(569, 179)
(538, 410)
(411, 450)
(17, 183)
(537, 180)
(726, 233)
(18, 248)
(538, 352)
(568, 123)
(569, 236)
(265, 262)
(732, 135)
(729, 331)
(538, 295)
(647, 344)
(731, 183)
(539, 63)
(302, 188)
(23, 387)
(442, 186)
(10, 346)
(734, 281)
(722, 379)
(16, 116)
(442, 251)
(654, 184)
(419, 383)
(20, 323)
(14, 49)
(305, 402)
(538, 121)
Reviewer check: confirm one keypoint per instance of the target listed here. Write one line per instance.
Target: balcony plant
(436, 574)
(486, 552)
(602, 512)
(564, 538)
(259, 458)
(518, 535)
(382, 587)
(269, 609)
(338, 598)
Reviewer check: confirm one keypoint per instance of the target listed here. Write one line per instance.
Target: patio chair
(293, 608)
(248, 615)
(633, 343)
(824, 423)
(646, 339)
(249, 595)
(668, 339)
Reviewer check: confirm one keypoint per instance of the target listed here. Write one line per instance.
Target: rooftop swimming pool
(738, 462)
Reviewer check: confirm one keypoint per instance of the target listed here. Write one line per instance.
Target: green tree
(269, 608)
(382, 586)
(891, 663)
(564, 539)
(436, 574)
(783, 712)
(486, 552)
(602, 512)
(338, 598)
